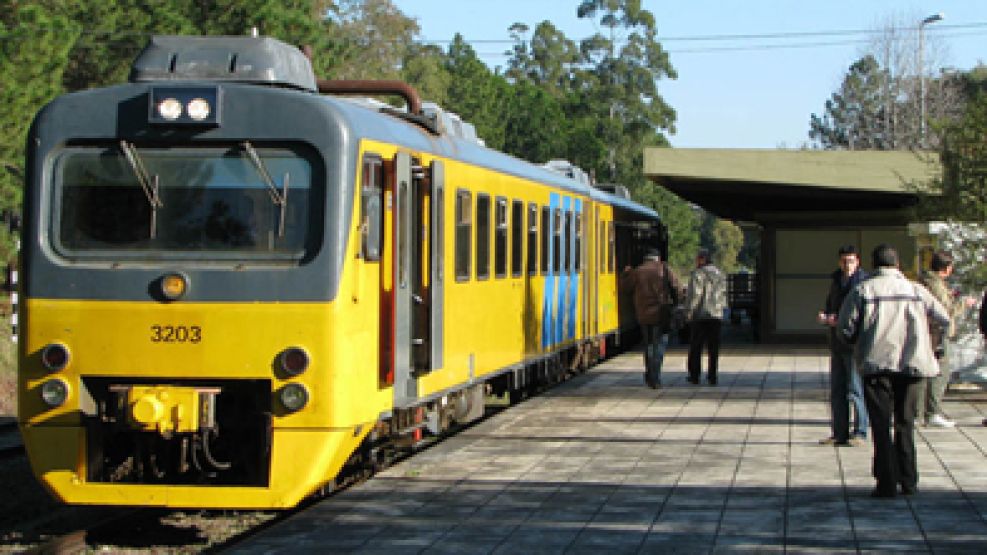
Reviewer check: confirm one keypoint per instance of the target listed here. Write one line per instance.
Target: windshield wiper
(147, 182)
(278, 196)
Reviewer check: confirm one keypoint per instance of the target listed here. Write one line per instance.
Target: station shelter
(805, 204)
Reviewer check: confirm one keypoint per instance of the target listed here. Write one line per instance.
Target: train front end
(184, 246)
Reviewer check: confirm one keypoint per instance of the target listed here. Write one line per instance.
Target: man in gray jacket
(706, 299)
(887, 319)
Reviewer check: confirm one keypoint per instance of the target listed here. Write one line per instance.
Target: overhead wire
(943, 31)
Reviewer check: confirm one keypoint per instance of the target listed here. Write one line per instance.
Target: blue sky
(741, 92)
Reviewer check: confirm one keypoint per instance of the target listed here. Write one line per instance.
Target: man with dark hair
(655, 289)
(845, 386)
(886, 317)
(930, 400)
(706, 299)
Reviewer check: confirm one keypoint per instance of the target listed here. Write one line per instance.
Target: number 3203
(176, 334)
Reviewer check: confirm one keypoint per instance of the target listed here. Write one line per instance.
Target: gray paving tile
(602, 464)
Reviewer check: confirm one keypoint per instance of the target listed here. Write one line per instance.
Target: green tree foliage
(114, 32)
(959, 196)
(535, 126)
(424, 68)
(623, 69)
(961, 193)
(549, 61)
(682, 221)
(477, 94)
(370, 40)
(855, 116)
(724, 239)
(34, 47)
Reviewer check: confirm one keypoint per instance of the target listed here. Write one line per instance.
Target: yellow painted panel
(238, 341)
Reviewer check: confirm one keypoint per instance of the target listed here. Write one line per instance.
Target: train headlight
(185, 106)
(170, 109)
(173, 286)
(54, 392)
(55, 357)
(293, 396)
(293, 361)
(199, 109)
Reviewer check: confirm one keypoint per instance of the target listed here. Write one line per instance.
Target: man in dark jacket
(655, 290)
(845, 386)
(983, 316)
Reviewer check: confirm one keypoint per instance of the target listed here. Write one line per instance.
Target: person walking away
(983, 316)
(845, 386)
(655, 290)
(930, 400)
(886, 318)
(706, 299)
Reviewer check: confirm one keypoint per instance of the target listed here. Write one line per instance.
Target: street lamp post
(921, 71)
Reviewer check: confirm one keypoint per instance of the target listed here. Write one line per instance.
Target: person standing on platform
(983, 317)
(845, 387)
(655, 289)
(930, 402)
(983, 326)
(886, 318)
(706, 299)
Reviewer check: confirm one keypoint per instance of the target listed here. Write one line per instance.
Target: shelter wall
(797, 264)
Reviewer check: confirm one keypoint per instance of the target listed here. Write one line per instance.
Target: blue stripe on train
(563, 289)
(548, 317)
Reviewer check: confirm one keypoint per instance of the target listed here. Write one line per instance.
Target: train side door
(417, 271)
(585, 232)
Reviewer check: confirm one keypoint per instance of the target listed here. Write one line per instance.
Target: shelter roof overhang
(753, 185)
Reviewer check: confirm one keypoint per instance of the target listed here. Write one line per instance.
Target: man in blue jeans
(655, 290)
(845, 387)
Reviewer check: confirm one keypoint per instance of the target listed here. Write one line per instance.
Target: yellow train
(234, 284)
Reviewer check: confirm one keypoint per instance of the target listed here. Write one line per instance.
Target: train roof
(375, 124)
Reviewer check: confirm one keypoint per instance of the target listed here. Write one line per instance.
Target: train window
(603, 247)
(578, 251)
(500, 237)
(464, 227)
(532, 239)
(482, 236)
(439, 231)
(557, 240)
(404, 212)
(517, 234)
(611, 251)
(567, 238)
(371, 213)
(546, 228)
(202, 203)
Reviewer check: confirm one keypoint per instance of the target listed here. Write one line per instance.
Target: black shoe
(908, 490)
(711, 381)
(694, 381)
(881, 494)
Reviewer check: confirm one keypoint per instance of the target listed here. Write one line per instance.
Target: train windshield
(236, 202)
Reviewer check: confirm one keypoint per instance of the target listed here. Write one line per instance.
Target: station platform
(603, 464)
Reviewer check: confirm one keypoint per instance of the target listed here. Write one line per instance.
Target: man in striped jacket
(886, 318)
